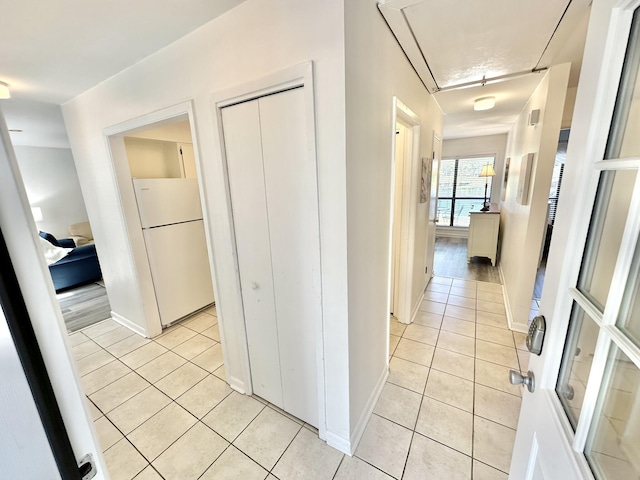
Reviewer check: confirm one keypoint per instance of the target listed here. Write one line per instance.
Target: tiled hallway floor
(162, 409)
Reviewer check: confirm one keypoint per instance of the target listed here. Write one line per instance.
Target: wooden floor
(84, 306)
(451, 261)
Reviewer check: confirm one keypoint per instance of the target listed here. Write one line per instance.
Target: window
(461, 189)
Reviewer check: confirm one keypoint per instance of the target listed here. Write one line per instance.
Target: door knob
(529, 380)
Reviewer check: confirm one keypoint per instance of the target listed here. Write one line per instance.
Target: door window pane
(605, 233)
(624, 140)
(629, 315)
(576, 362)
(613, 445)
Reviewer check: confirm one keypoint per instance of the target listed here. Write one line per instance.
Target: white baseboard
(513, 325)
(339, 443)
(416, 307)
(129, 324)
(237, 385)
(358, 431)
(452, 232)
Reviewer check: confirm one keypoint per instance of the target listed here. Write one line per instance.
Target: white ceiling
(51, 51)
(452, 43)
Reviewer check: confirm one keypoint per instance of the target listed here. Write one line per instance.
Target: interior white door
(272, 180)
(397, 214)
(581, 422)
(433, 204)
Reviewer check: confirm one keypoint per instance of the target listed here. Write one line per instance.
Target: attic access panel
(463, 41)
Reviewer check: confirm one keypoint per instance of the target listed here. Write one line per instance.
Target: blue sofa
(79, 267)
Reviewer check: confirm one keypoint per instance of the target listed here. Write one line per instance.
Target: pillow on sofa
(52, 253)
(81, 233)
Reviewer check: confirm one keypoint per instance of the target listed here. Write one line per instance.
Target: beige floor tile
(221, 374)
(113, 336)
(520, 340)
(191, 455)
(267, 437)
(181, 380)
(352, 468)
(494, 353)
(201, 398)
(463, 292)
(174, 336)
(118, 392)
(93, 362)
(440, 461)
(453, 363)
(385, 445)
(419, 333)
(492, 297)
(492, 443)
(439, 297)
(407, 374)
(489, 287)
(460, 327)
(463, 302)
(77, 338)
(93, 410)
(491, 307)
(234, 465)
(308, 457)
(393, 343)
(446, 424)
(213, 332)
(194, 346)
(108, 435)
(231, 416)
(441, 280)
(438, 287)
(123, 461)
(395, 327)
(495, 376)
(161, 366)
(143, 355)
(485, 472)
(459, 283)
(432, 307)
(497, 406)
(456, 343)
(495, 335)
(148, 473)
(212, 310)
(428, 319)
(450, 389)
(84, 349)
(398, 405)
(199, 322)
(138, 409)
(462, 313)
(415, 352)
(492, 319)
(103, 376)
(127, 345)
(210, 359)
(100, 328)
(161, 430)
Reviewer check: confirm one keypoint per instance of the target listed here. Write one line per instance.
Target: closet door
(275, 211)
(243, 144)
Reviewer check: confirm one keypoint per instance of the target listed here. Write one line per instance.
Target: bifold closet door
(275, 211)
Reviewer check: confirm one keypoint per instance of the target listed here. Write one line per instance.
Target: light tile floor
(162, 408)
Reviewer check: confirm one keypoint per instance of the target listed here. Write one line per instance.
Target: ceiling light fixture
(4, 91)
(484, 103)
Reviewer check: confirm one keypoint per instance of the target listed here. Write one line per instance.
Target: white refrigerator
(173, 230)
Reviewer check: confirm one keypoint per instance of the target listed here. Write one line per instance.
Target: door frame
(595, 103)
(34, 279)
(404, 310)
(293, 77)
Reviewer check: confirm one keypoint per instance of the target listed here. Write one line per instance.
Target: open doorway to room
(554, 194)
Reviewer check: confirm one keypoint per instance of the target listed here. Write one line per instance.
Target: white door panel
(243, 144)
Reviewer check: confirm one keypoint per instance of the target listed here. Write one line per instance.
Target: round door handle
(529, 380)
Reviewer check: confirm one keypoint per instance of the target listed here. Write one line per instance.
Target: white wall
(253, 40)
(523, 226)
(376, 70)
(51, 182)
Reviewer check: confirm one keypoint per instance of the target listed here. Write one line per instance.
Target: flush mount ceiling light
(4, 91)
(484, 103)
